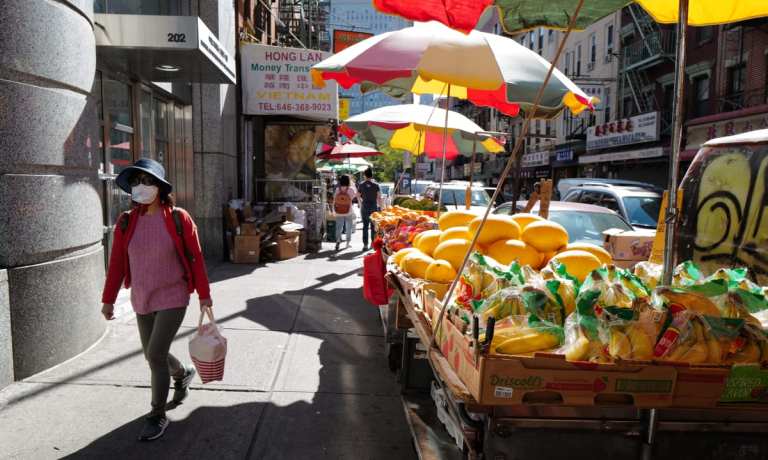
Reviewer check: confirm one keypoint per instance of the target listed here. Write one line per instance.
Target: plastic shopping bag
(375, 288)
(208, 349)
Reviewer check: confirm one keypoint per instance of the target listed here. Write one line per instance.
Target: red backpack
(342, 203)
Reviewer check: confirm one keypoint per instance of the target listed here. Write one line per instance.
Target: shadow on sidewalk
(333, 396)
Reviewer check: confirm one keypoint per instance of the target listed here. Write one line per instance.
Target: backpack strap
(176, 214)
(124, 220)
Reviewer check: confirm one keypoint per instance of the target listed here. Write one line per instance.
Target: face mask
(144, 194)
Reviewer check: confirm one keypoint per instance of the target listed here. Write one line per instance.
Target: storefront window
(161, 132)
(159, 7)
(145, 114)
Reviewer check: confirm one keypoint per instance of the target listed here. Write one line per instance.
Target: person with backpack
(156, 253)
(370, 201)
(342, 207)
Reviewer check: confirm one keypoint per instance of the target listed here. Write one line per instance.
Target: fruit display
(424, 204)
(578, 263)
(545, 236)
(399, 227)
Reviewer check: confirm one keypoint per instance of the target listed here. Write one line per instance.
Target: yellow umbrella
(706, 12)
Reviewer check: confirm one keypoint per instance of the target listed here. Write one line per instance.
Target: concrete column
(214, 140)
(51, 225)
(6, 347)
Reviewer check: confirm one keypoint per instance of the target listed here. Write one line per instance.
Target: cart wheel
(395, 356)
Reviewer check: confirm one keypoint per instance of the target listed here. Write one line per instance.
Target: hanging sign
(627, 131)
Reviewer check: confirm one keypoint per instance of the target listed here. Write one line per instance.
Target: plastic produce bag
(375, 288)
(481, 278)
(516, 335)
(614, 319)
(208, 349)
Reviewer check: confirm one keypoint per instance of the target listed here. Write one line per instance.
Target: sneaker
(181, 386)
(365, 248)
(154, 427)
(337, 246)
(349, 245)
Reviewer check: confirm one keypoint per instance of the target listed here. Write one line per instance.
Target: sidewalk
(306, 377)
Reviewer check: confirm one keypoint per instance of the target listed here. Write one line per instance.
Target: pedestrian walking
(342, 207)
(156, 252)
(370, 202)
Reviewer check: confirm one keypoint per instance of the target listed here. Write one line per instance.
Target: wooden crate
(549, 379)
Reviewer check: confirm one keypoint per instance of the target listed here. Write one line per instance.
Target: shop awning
(163, 48)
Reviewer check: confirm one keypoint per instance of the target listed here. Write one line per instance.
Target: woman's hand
(108, 310)
(206, 303)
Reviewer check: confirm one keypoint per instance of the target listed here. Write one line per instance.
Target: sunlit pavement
(306, 377)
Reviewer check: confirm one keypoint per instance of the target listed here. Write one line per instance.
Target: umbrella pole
(468, 195)
(507, 168)
(670, 222)
(445, 147)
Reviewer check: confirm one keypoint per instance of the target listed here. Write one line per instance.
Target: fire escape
(651, 46)
(304, 24)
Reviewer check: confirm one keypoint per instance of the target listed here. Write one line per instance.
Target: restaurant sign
(700, 133)
(276, 82)
(627, 131)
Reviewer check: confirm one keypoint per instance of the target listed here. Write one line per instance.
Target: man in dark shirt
(369, 199)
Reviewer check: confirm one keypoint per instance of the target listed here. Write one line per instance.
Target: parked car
(585, 223)
(637, 205)
(565, 185)
(455, 193)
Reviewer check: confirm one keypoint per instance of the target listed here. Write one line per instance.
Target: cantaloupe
(497, 227)
(416, 264)
(578, 263)
(441, 271)
(507, 251)
(453, 233)
(457, 218)
(524, 218)
(428, 241)
(453, 251)
(397, 257)
(545, 235)
(595, 250)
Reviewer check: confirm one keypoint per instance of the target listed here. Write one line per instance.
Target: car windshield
(453, 197)
(643, 211)
(587, 227)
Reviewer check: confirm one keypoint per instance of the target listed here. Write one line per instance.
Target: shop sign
(699, 134)
(422, 167)
(343, 109)
(343, 39)
(276, 82)
(535, 159)
(564, 154)
(621, 156)
(627, 131)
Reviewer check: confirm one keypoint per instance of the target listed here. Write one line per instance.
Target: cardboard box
(249, 228)
(628, 247)
(287, 247)
(550, 379)
(232, 220)
(247, 249)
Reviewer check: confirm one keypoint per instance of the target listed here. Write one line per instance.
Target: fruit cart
(576, 408)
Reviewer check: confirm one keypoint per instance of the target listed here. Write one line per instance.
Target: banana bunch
(517, 340)
(504, 303)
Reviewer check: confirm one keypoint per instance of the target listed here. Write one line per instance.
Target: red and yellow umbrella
(487, 69)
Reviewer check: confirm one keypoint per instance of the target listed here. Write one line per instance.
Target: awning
(163, 48)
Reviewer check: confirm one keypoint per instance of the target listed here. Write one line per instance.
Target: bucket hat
(148, 166)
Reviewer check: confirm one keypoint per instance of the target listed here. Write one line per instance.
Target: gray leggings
(157, 331)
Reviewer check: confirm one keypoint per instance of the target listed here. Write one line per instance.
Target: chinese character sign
(276, 82)
(343, 39)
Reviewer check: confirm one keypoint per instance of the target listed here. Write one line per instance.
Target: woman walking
(342, 207)
(157, 254)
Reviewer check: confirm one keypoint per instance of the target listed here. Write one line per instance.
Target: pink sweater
(158, 281)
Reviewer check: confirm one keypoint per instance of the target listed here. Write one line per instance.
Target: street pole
(445, 148)
(677, 145)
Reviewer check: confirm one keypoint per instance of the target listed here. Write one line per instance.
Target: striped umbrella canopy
(347, 150)
(488, 70)
(521, 15)
(352, 165)
(419, 129)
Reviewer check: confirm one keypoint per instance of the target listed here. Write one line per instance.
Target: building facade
(121, 80)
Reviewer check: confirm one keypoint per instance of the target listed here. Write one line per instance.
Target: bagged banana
(565, 286)
(648, 273)
(481, 278)
(614, 319)
(521, 335)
